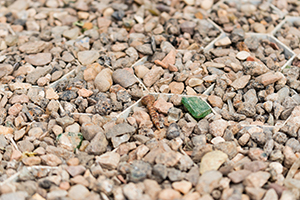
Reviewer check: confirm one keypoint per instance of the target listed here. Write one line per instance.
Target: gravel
(73, 124)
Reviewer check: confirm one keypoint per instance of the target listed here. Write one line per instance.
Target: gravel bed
(149, 100)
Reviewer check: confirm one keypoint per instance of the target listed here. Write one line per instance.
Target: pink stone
(140, 115)
(162, 105)
(15, 109)
(84, 92)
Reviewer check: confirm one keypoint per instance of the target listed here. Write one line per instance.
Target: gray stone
(124, 78)
(38, 73)
(39, 59)
(139, 171)
(173, 131)
(97, 145)
(19, 195)
(120, 129)
(89, 130)
(208, 181)
(145, 49)
(88, 57)
(78, 192)
(254, 68)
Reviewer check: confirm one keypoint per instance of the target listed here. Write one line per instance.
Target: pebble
(259, 28)
(103, 80)
(169, 194)
(152, 76)
(241, 82)
(217, 128)
(88, 57)
(176, 87)
(257, 179)
(212, 161)
(78, 192)
(215, 101)
(124, 78)
(242, 55)
(51, 160)
(162, 106)
(39, 59)
(223, 42)
(141, 71)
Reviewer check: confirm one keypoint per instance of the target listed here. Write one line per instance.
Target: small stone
(88, 57)
(97, 145)
(139, 171)
(141, 71)
(182, 186)
(33, 47)
(238, 176)
(215, 101)
(170, 58)
(152, 76)
(206, 4)
(37, 73)
(193, 82)
(257, 179)
(78, 192)
(254, 68)
(217, 127)
(176, 87)
(103, 80)
(51, 160)
(51, 94)
(109, 160)
(120, 129)
(39, 59)
(255, 192)
(174, 114)
(270, 195)
(269, 78)
(162, 106)
(188, 27)
(169, 158)
(55, 194)
(145, 49)
(152, 188)
(242, 55)
(173, 131)
(124, 78)
(30, 161)
(212, 161)
(84, 92)
(67, 57)
(6, 130)
(5, 69)
(208, 181)
(75, 170)
(223, 42)
(71, 34)
(169, 194)
(15, 109)
(241, 82)
(259, 28)
(19, 195)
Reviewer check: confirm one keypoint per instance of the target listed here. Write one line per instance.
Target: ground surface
(73, 124)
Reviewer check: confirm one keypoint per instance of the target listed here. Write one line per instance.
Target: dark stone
(173, 131)
(159, 172)
(238, 34)
(139, 171)
(68, 95)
